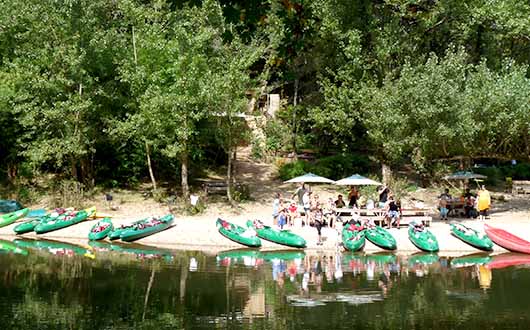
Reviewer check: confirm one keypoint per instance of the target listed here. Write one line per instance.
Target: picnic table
(378, 215)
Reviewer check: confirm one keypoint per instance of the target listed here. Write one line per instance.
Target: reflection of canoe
(100, 245)
(353, 240)
(100, 230)
(147, 228)
(9, 218)
(283, 237)
(54, 247)
(282, 255)
(381, 237)
(10, 247)
(139, 249)
(238, 234)
(423, 258)
(507, 240)
(509, 259)
(63, 221)
(470, 260)
(471, 236)
(238, 253)
(423, 240)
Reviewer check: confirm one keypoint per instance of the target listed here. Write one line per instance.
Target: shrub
(293, 169)
(333, 167)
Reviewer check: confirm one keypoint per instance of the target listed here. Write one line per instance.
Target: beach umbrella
(357, 180)
(464, 175)
(310, 177)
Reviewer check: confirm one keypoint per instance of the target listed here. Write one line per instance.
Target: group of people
(474, 205)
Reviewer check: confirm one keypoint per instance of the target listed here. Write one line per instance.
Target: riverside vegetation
(112, 93)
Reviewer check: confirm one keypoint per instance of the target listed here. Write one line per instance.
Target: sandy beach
(200, 233)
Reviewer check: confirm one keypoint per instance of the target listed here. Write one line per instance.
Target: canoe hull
(236, 234)
(137, 232)
(283, 237)
(96, 236)
(382, 238)
(59, 223)
(9, 218)
(507, 240)
(424, 240)
(472, 237)
(353, 240)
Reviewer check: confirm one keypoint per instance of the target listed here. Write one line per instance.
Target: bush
(333, 167)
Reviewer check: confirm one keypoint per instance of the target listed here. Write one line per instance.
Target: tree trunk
(229, 176)
(12, 170)
(73, 168)
(182, 283)
(184, 177)
(295, 103)
(151, 174)
(386, 173)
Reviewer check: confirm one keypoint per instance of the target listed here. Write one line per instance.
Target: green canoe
(281, 255)
(117, 231)
(100, 230)
(64, 220)
(9, 218)
(423, 258)
(147, 227)
(471, 260)
(423, 239)
(283, 237)
(238, 234)
(10, 247)
(353, 237)
(381, 237)
(471, 236)
(29, 226)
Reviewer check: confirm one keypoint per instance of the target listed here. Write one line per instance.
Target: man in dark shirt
(340, 202)
(383, 195)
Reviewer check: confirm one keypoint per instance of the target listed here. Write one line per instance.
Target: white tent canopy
(357, 180)
(310, 177)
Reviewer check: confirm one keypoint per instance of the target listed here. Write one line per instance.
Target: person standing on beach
(299, 194)
(353, 196)
(483, 203)
(276, 208)
(383, 195)
(306, 203)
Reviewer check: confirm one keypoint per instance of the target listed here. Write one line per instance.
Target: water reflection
(126, 287)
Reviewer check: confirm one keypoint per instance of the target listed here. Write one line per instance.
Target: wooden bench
(404, 221)
(215, 187)
(520, 187)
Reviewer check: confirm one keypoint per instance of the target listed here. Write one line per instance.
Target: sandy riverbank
(199, 233)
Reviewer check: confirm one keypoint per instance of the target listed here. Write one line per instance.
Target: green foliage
(68, 193)
(333, 167)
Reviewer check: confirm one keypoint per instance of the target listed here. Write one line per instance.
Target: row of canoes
(62, 218)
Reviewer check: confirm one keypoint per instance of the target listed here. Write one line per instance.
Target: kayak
(117, 231)
(509, 259)
(471, 260)
(10, 247)
(283, 237)
(423, 258)
(281, 255)
(28, 226)
(471, 236)
(381, 237)
(507, 240)
(64, 220)
(146, 228)
(353, 238)
(238, 234)
(423, 239)
(9, 218)
(100, 230)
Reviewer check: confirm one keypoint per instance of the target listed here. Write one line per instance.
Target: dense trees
(99, 90)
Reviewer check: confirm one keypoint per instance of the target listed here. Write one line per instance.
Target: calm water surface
(53, 285)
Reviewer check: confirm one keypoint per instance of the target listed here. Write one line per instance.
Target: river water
(54, 285)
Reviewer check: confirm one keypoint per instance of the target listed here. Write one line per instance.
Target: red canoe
(508, 259)
(506, 240)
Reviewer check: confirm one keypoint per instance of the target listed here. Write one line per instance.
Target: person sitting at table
(443, 204)
(329, 212)
(469, 204)
(392, 212)
(339, 203)
(353, 196)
